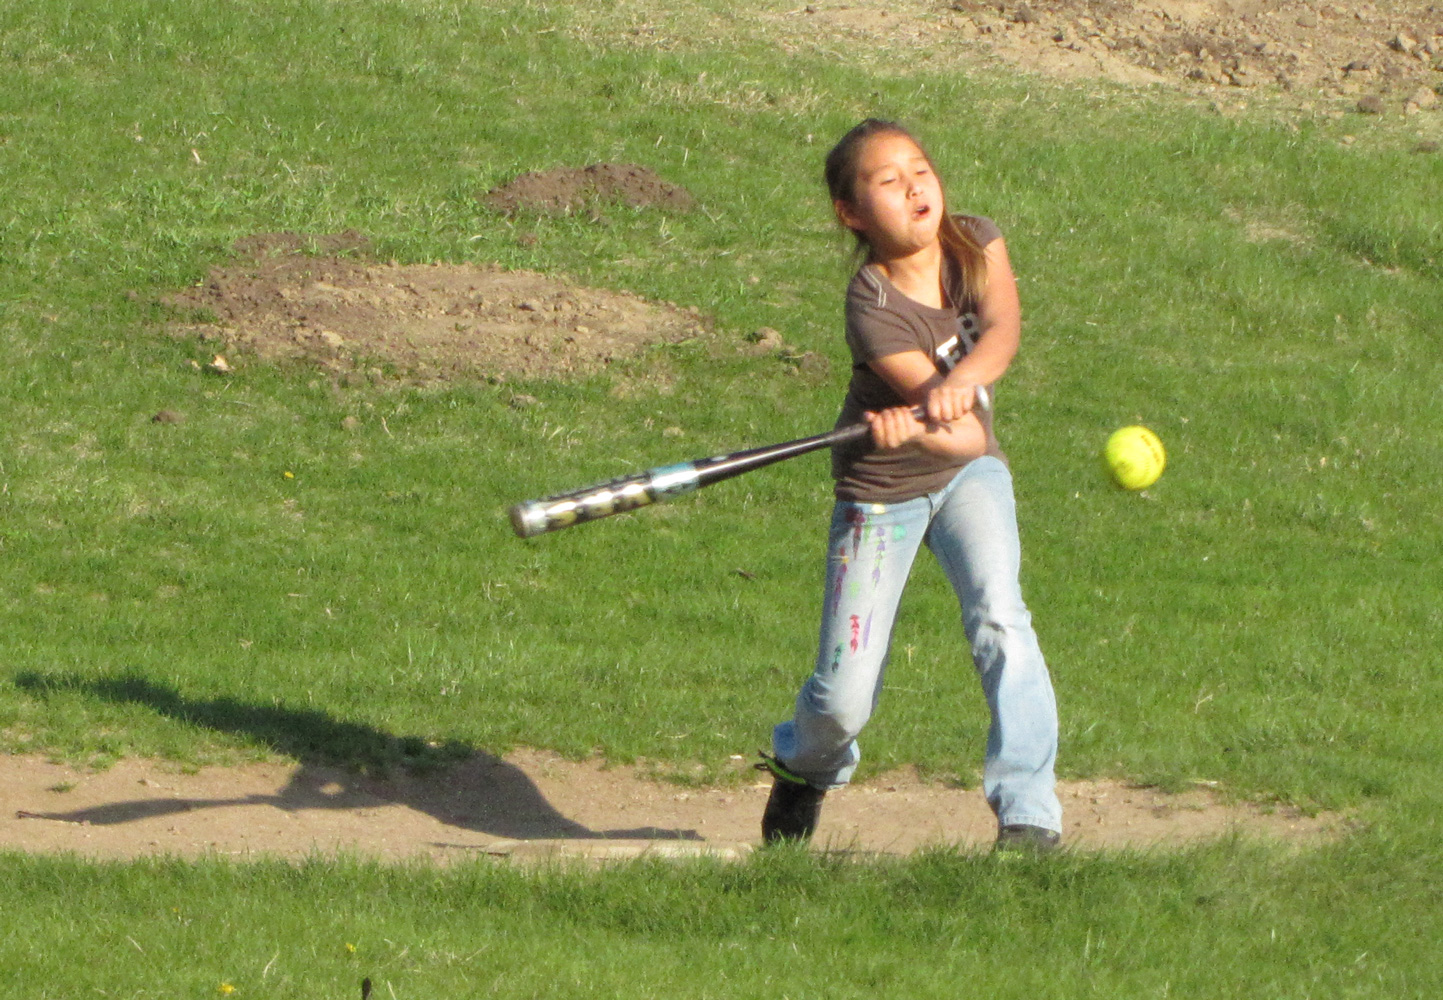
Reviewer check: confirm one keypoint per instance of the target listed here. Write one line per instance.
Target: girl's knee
(997, 609)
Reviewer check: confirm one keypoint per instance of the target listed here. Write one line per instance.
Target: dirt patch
(564, 191)
(533, 803)
(324, 300)
(1303, 47)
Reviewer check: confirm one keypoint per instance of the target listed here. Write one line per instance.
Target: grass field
(1263, 296)
(1197, 924)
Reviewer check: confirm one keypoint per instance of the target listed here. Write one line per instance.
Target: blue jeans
(971, 527)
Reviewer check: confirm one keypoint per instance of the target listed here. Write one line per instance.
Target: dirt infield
(534, 804)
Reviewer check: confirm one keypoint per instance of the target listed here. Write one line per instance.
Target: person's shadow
(343, 765)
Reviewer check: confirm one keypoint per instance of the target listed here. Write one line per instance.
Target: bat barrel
(535, 517)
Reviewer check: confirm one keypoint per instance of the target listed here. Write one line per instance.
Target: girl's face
(896, 201)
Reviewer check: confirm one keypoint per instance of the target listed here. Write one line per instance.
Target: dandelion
(290, 475)
(225, 989)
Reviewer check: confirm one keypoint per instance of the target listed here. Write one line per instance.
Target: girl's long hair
(958, 245)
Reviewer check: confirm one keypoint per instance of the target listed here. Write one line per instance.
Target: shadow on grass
(343, 765)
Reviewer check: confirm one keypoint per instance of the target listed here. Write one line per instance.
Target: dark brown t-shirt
(881, 321)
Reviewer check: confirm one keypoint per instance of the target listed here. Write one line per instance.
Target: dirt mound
(532, 804)
(322, 299)
(568, 190)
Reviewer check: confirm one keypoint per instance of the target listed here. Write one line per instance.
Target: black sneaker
(793, 807)
(1021, 837)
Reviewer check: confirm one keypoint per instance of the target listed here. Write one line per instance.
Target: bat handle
(981, 400)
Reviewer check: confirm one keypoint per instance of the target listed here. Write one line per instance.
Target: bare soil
(324, 300)
(591, 188)
(535, 805)
(1390, 51)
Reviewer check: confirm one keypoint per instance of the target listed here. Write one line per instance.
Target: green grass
(1262, 296)
(1194, 923)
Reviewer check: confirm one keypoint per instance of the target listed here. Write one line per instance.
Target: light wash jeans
(971, 527)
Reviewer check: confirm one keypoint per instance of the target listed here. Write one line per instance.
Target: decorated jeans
(971, 527)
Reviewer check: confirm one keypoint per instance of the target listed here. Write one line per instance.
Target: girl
(932, 313)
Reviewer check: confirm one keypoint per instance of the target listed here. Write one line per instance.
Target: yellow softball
(1135, 457)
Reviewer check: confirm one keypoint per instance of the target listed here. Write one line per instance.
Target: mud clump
(568, 190)
(323, 299)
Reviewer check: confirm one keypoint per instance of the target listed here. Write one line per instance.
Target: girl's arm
(1000, 316)
(916, 379)
(899, 427)
(951, 428)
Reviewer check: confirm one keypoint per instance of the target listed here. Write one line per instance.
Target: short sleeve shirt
(882, 321)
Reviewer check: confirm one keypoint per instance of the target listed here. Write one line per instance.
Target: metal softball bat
(667, 482)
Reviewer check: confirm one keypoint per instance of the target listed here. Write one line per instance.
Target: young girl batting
(931, 314)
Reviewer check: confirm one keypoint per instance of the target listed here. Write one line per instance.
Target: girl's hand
(894, 427)
(950, 401)
(900, 427)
